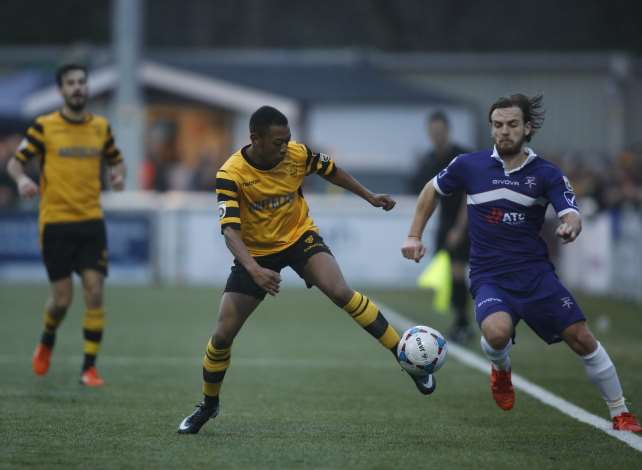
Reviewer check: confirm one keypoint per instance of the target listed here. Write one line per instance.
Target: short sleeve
(319, 163)
(227, 193)
(451, 178)
(110, 151)
(560, 193)
(33, 143)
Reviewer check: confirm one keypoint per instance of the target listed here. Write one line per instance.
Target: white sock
(601, 371)
(499, 357)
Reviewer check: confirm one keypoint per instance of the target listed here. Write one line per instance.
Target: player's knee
(581, 340)
(496, 337)
(94, 295)
(340, 294)
(60, 302)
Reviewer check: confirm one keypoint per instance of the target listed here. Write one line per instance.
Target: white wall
(381, 137)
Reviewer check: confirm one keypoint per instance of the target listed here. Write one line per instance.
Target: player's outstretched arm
(570, 227)
(117, 176)
(26, 186)
(346, 180)
(427, 202)
(266, 279)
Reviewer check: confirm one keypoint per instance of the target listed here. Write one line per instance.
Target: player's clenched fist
(413, 249)
(26, 187)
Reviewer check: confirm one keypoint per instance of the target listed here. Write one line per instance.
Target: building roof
(245, 85)
(322, 83)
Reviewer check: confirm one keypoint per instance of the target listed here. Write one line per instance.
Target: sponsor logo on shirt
(245, 184)
(496, 216)
(567, 302)
(506, 182)
(79, 152)
(222, 209)
(273, 202)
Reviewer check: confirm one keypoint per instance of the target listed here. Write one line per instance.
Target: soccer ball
(422, 350)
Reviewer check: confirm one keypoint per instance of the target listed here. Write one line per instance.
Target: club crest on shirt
(567, 302)
(570, 198)
(530, 182)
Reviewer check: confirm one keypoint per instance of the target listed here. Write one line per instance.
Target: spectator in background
(452, 235)
(8, 190)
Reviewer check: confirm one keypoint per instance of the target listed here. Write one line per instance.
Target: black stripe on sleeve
(228, 185)
(37, 126)
(36, 143)
(112, 154)
(234, 225)
(333, 171)
(232, 212)
(26, 153)
(224, 197)
(307, 160)
(109, 143)
(314, 163)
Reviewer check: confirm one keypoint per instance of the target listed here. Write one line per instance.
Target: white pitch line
(475, 361)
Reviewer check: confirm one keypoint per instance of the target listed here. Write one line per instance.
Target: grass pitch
(307, 389)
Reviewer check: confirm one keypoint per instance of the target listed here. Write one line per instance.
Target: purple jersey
(506, 212)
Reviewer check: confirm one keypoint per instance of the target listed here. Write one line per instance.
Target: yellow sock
(215, 364)
(366, 313)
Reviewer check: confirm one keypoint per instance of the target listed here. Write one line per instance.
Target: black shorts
(74, 246)
(295, 256)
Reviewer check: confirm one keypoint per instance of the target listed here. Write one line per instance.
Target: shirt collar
(531, 155)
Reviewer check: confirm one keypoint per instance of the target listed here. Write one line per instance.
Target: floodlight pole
(128, 111)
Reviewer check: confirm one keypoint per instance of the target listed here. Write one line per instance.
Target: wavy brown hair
(531, 107)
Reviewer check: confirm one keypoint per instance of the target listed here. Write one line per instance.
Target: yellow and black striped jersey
(70, 157)
(267, 206)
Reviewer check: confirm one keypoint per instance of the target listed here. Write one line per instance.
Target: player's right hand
(26, 187)
(413, 249)
(267, 280)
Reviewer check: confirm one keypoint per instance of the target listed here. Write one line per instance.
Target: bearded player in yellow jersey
(266, 225)
(70, 145)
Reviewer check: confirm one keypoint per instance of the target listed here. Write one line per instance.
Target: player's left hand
(382, 200)
(117, 181)
(567, 232)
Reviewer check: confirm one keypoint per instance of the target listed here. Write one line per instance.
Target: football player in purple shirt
(508, 190)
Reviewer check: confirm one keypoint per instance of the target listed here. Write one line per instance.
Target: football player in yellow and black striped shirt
(267, 227)
(70, 146)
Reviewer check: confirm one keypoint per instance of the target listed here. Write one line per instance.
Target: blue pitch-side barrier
(130, 238)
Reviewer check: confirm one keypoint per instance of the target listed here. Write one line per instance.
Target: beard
(76, 103)
(507, 149)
